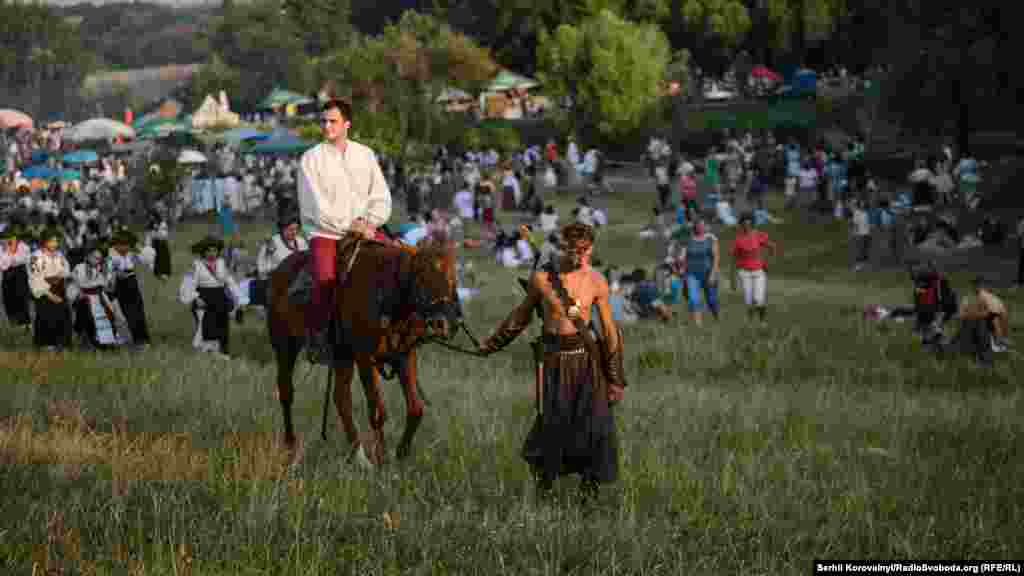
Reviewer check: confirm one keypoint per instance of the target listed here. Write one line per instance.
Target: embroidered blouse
(46, 265)
(215, 276)
(20, 257)
(88, 275)
(274, 251)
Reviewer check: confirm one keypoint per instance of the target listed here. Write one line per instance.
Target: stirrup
(318, 347)
(300, 291)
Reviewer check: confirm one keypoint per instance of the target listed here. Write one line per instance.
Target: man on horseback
(341, 192)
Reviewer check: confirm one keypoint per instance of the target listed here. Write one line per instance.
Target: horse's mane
(427, 250)
(427, 254)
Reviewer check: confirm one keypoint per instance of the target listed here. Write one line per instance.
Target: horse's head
(434, 294)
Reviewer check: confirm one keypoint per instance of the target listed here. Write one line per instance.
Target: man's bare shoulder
(539, 279)
(597, 280)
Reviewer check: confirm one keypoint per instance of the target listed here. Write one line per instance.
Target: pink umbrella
(14, 119)
(764, 72)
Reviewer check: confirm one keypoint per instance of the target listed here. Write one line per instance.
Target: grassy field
(743, 448)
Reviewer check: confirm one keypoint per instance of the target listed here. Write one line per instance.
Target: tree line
(611, 57)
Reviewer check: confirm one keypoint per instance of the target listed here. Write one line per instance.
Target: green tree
(795, 22)
(611, 68)
(43, 62)
(323, 25)
(266, 49)
(678, 73)
(211, 78)
(401, 72)
(936, 60)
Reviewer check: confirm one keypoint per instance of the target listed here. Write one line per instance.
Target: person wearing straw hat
(95, 319)
(48, 274)
(275, 250)
(214, 286)
(14, 261)
(122, 262)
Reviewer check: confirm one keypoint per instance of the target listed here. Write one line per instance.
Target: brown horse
(393, 296)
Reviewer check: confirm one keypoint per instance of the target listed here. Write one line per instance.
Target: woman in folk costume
(14, 261)
(215, 289)
(48, 274)
(95, 319)
(275, 250)
(157, 232)
(123, 262)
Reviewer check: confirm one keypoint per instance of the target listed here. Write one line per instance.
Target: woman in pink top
(750, 265)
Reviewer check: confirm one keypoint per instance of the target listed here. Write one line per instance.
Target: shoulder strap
(567, 302)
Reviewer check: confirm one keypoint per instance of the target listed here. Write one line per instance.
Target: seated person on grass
(984, 322)
(935, 302)
(646, 298)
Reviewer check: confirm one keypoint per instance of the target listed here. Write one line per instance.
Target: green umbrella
(162, 129)
(281, 97)
(153, 122)
(507, 80)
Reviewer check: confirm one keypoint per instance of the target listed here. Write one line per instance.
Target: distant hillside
(140, 35)
(149, 85)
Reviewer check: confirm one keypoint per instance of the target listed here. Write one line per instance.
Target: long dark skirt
(576, 432)
(75, 257)
(216, 321)
(16, 295)
(162, 262)
(134, 308)
(52, 324)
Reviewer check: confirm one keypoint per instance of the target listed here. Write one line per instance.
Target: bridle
(427, 306)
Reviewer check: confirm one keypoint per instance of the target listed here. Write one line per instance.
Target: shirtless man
(984, 322)
(580, 385)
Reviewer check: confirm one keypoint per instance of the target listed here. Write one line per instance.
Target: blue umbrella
(242, 134)
(39, 156)
(282, 145)
(81, 157)
(38, 171)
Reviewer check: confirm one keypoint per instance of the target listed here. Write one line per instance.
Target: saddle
(350, 247)
(300, 291)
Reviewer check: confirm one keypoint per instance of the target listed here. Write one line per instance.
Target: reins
(431, 339)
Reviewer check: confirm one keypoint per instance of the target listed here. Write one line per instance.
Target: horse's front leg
(343, 372)
(413, 403)
(376, 413)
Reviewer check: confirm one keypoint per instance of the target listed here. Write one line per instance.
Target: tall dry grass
(744, 448)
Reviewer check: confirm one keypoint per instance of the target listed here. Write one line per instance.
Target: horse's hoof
(402, 453)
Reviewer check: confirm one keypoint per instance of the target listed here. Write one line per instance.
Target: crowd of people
(694, 194)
